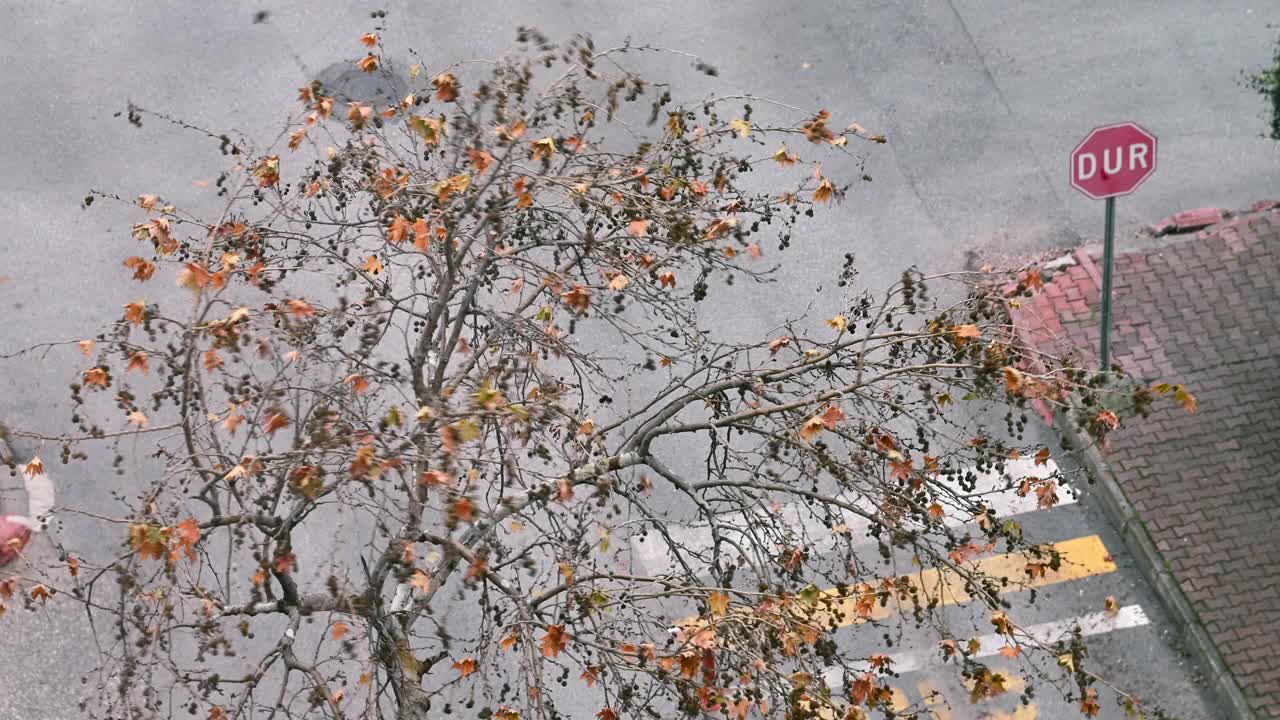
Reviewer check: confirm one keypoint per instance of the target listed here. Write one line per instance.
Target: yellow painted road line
(1082, 557)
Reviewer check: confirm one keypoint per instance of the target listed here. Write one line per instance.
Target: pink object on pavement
(14, 536)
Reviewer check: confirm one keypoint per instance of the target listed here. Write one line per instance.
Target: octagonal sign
(1113, 160)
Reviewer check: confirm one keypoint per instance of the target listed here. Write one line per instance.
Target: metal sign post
(1108, 252)
(1112, 160)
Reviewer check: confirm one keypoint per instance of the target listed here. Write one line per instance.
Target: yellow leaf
(740, 126)
(139, 418)
(544, 148)
(373, 265)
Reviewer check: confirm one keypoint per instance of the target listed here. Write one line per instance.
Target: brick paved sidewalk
(1204, 310)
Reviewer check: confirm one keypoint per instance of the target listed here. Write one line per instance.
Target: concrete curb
(1153, 566)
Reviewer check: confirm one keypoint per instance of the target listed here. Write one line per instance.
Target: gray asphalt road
(982, 100)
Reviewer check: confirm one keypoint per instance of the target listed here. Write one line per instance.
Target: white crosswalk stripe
(1129, 616)
(798, 519)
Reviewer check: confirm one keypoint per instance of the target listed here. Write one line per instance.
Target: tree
(395, 467)
(1267, 84)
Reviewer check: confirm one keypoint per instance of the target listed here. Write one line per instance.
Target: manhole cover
(346, 83)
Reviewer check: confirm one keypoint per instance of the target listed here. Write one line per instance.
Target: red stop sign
(1113, 160)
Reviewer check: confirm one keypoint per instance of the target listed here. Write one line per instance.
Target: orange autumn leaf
(579, 298)
(34, 468)
(619, 282)
(825, 192)
(1089, 705)
(446, 87)
(188, 534)
(480, 159)
(286, 563)
(1012, 379)
(778, 344)
(554, 642)
(96, 377)
(463, 510)
(138, 361)
(421, 581)
(1042, 457)
(465, 666)
(86, 347)
(399, 230)
(966, 331)
(142, 269)
(300, 308)
(591, 675)
(638, 228)
(511, 640)
(41, 593)
(719, 603)
(276, 419)
(134, 312)
(373, 265)
(339, 630)
(1047, 494)
(359, 115)
(667, 279)
(357, 383)
(478, 568)
(267, 171)
(811, 429)
(148, 541)
(370, 39)
(720, 228)
(368, 63)
(212, 360)
(1010, 651)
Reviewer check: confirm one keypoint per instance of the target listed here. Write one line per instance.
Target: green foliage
(1267, 83)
